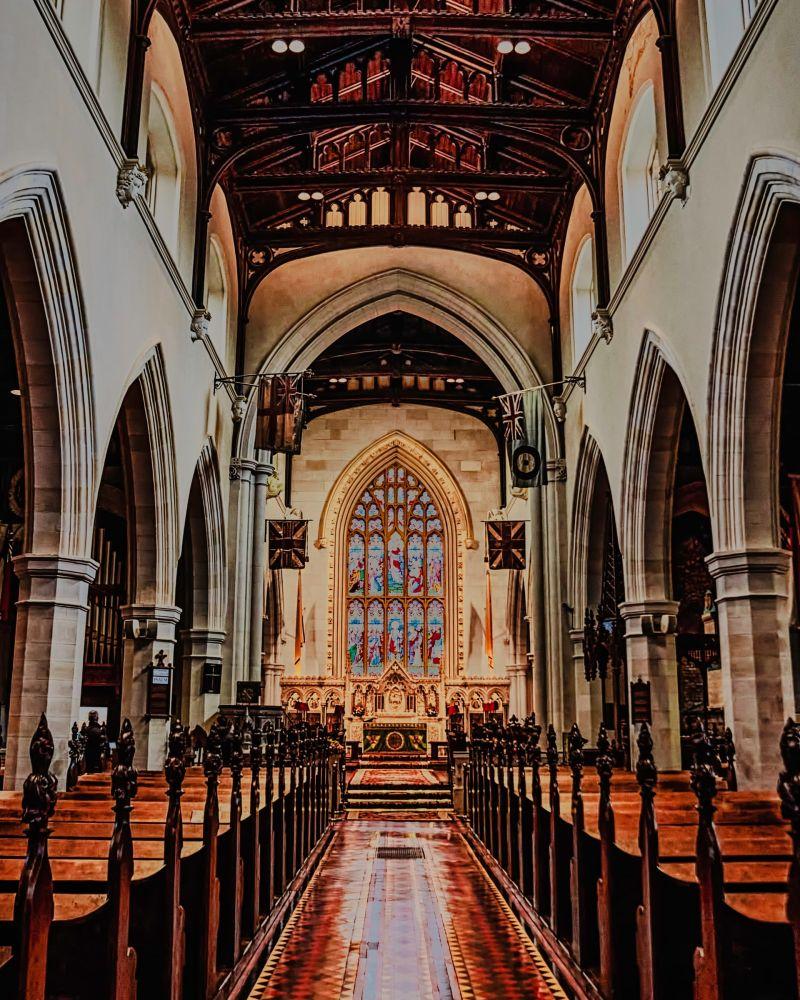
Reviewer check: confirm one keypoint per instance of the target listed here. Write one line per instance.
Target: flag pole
(489, 627)
(299, 629)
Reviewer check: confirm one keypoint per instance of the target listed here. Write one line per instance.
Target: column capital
(51, 567)
(750, 573)
(654, 617)
(203, 635)
(150, 622)
(262, 473)
(516, 669)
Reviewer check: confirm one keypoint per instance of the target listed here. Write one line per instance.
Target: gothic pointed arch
(590, 461)
(750, 332)
(53, 349)
(654, 424)
(211, 539)
(397, 449)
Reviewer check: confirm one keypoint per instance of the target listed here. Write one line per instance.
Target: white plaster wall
(467, 449)
(131, 303)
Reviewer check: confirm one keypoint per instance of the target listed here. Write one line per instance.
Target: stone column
(537, 606)
(753, 610)
(517, 693)
(148, 629)
(588, 708)
(261, 474)
(237, 647)
(271, 674)
(650, 644)
(200, 646)
(48, 656)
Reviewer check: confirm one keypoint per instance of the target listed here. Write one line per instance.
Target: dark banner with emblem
(281, 411)
(288, 544)
(524, 431)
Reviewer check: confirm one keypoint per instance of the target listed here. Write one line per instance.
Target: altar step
(406, 798)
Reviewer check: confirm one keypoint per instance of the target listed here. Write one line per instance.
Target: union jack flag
(513, 416)
(288, 544)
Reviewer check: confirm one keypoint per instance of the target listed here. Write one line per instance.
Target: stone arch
(403, 290)
(589, 463)
(747, 355)
(648, 472)
(458, 536)
(146, 426)
(53, 352)
(213, 535)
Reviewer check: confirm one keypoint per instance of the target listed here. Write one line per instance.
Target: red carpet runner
(372, 927)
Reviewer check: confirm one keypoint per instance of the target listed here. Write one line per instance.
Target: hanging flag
(299, 628)
(513, 416)
(527, 453)
(288, 544)
(280, 413)
(489, 627)
(505, 544)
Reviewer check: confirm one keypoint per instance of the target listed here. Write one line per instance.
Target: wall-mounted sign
(505, 544)
(288, 544)
(641, 710)
(159, 688)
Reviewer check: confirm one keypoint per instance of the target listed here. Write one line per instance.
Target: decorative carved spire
(646, 770)
(39, 791)
(175, 763)
(604, 763)
(789, 780)
(552, 749)
(124, 779)
(576, 743)
(75, 751)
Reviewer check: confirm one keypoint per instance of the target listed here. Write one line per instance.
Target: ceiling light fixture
(451, 380)
(494, 196)
(304, 196)
(522, 47)
(481, 196)
(316, 195)
(333, 381)
(459, 381)
(297, 45)
(342, 381)
(15, 392)
(280, 46)
(504, 46)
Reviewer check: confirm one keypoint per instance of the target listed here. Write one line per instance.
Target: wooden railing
(195, 923)
(630, 894)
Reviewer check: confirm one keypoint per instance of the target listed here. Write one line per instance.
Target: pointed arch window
(395, 579)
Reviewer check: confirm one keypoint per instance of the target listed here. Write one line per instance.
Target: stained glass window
(395, 583)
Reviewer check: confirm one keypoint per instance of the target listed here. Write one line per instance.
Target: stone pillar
(258, 559)
(588, 707)
(537, 606)
(240, 538)
(753, 610)
(48, 656)
(148, 629)
(517, 693)
(200, 646)
(271, 674)
(650, 645)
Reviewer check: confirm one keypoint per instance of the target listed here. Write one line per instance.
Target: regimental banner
(288, 544)
(524, 431)
(280, 415)
(505, 544)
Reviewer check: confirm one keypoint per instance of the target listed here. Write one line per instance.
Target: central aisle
(377, 926)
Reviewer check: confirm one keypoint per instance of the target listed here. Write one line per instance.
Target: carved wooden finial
(75, 752)
(39, 792)
(175, 763)
(576, 742)
(124, 779)
(212, 760)
(646, 770)
(552, 747)
(789, 780)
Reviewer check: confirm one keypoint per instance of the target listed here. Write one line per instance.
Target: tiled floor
(370, 928)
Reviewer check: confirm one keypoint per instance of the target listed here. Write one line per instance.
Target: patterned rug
(396, 776)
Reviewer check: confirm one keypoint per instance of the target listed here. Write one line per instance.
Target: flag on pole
(513, 416)
(527, 450)
(489, 627)
(299, 628)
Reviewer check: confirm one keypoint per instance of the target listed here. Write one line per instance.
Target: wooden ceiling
(392, 97)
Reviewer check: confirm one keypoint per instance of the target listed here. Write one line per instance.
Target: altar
(392, 738)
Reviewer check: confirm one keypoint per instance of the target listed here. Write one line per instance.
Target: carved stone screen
(395, 578)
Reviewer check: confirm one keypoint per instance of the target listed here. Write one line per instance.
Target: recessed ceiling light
(316, 195)
(504, 46)
(15, 392)
(451, 380)
(280, 46)
(342, 380)
(459, 381)
(494, 196)
(304, 196)
(481, 196)
(522, 47)
(297, 45)
(333, 381)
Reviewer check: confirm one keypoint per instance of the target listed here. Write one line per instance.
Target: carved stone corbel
(131, 181)
(602, 325)
(201, 319)
(560, 408)
(238, 407)
(675, 178)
